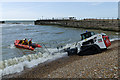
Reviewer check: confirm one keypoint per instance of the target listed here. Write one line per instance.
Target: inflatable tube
(16, 43)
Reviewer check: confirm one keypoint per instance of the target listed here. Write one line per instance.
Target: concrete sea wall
(102, 24)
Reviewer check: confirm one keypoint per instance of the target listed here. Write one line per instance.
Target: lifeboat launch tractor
(90, 43)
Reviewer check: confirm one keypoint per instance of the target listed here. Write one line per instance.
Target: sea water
(14, 60)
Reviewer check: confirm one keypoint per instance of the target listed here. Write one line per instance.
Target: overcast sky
(35, 10)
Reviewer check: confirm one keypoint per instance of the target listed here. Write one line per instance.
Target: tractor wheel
(68, 53)
(91, 49)
(81, 53)
(97, 48)
(72, 51)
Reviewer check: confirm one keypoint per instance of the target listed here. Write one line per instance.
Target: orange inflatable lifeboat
(16, 43)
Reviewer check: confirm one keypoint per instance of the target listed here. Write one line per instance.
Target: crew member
(30, 42)
(25, 42)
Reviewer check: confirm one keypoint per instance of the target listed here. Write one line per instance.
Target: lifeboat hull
(25, 46)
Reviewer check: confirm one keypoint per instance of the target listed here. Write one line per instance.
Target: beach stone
(102, 65)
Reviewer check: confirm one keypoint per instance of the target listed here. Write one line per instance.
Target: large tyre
(97, 48)
(72, 51)
(89, 49)
(68, 54)
(85, 50)
(81, 53)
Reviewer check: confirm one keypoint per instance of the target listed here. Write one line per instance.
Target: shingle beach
(102, 65)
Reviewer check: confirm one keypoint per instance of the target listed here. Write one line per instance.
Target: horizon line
(52, 19)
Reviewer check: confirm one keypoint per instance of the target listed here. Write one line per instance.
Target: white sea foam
(27, 24)
(117, 33)
(70, 45)
(114, 39)
(16, 65)
(11, 46)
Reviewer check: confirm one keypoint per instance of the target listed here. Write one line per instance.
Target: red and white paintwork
(102, 40)
(106, 41)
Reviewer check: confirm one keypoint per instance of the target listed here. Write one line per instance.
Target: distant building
(72, 18)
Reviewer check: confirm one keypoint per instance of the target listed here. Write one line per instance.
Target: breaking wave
(18, 64)
(114, 39)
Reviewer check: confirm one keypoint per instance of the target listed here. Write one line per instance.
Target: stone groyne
(99, 24)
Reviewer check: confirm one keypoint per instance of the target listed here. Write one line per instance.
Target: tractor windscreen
(87, 35)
